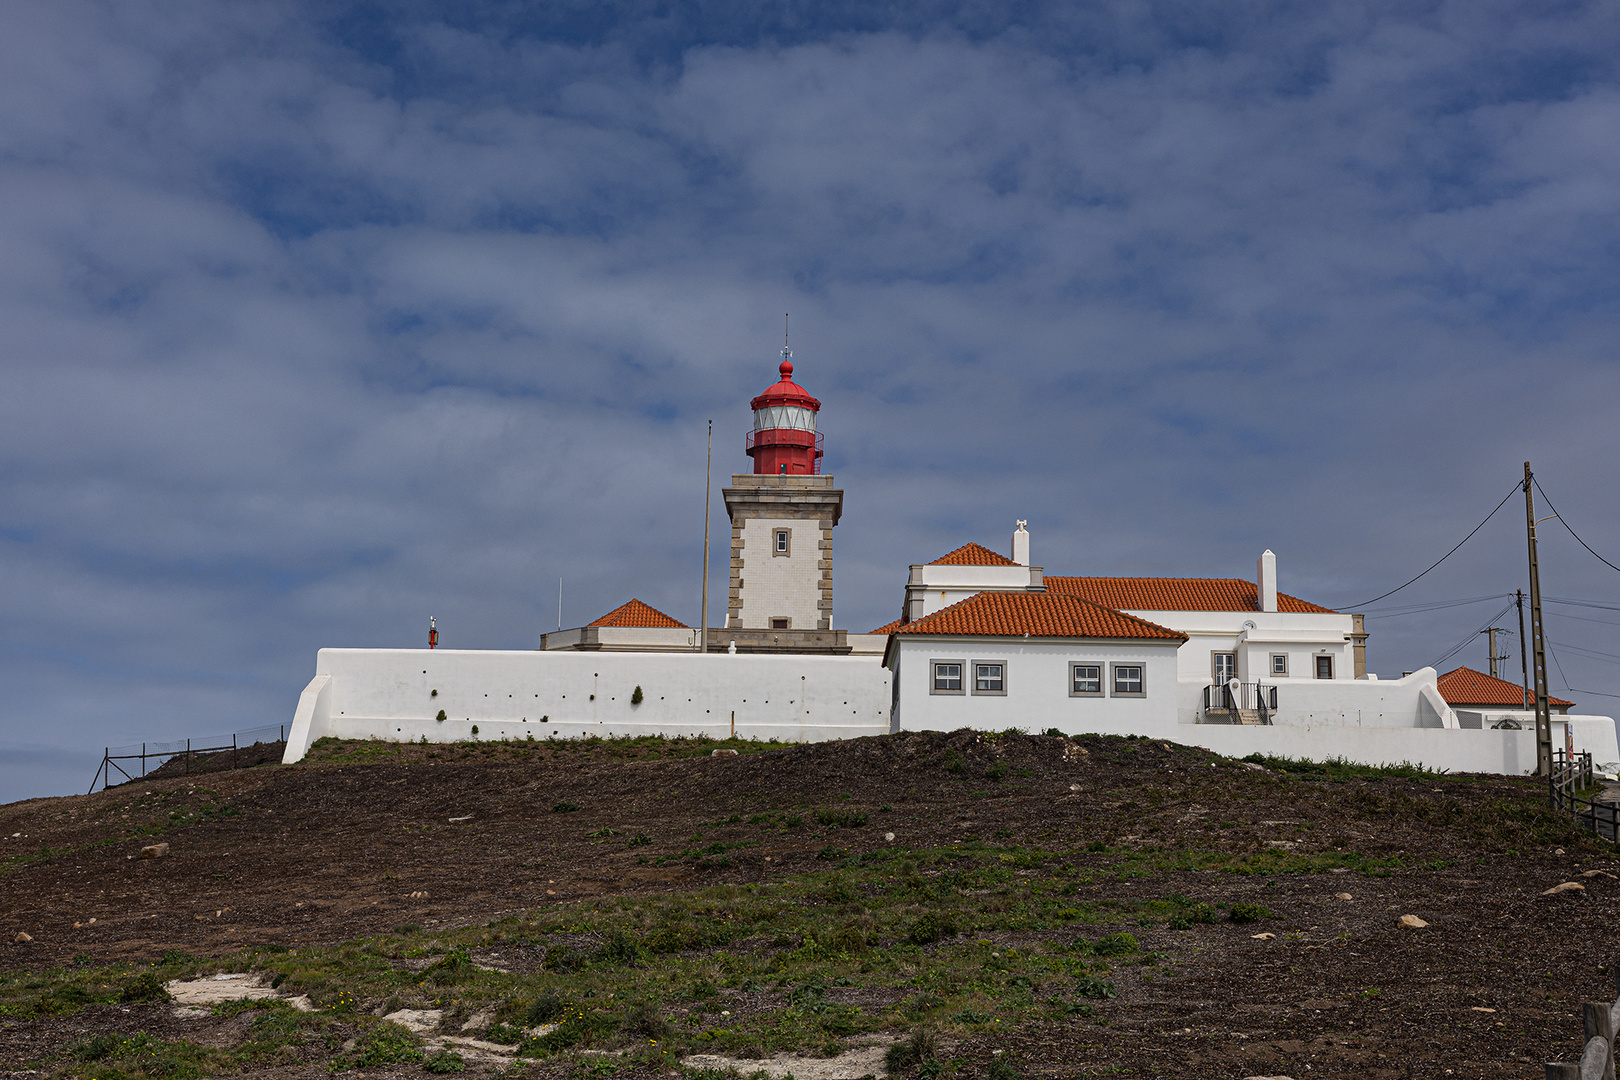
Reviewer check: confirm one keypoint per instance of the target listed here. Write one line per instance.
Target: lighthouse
(782, 518)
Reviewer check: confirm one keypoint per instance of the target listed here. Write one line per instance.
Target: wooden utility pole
(708, 474)
(1538, 644)
(1494, 655)
(1524, 667)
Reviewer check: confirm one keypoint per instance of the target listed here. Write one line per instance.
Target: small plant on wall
(475, 731)
(441, 715)
(636, 698)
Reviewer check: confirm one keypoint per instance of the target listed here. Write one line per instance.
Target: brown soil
(332, 848)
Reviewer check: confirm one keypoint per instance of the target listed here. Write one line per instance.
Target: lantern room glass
(784, 417)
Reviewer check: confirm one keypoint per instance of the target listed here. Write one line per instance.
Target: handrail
(1256, 696)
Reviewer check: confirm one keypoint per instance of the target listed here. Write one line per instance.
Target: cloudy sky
(322, 318)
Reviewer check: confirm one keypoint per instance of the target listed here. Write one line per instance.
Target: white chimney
(1020, 554)
(1266, 580)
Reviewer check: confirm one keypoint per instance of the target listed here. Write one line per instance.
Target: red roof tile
(1175, 594)
(888, 628)
(972, 555)
(1465, 686)
(1014, 614)
(635, 613)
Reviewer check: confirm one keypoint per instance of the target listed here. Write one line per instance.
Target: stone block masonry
(781, 551)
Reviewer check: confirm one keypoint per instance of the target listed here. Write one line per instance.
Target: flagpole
(708, 473)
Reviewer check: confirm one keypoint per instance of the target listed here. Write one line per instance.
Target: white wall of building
(1299, 635)
(781, 586)
(932, 587)
(1037, 680)
(387, 694)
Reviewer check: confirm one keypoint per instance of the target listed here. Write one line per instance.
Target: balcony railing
(786, 437)
(1226, 702)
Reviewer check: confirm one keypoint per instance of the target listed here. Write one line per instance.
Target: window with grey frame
(783, 544)
(945, 676)
(1130, 680)
(989, 677)
(1085, 680)
(1279, 663)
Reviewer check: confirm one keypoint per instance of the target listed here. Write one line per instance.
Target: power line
(1516, 487)
(1583, 618)
(1572, 532)
(1597, 604)
(1465, 642)
(1568, 688)
(1438, 605)
(1590, 654)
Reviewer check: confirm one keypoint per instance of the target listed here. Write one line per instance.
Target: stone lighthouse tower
(782, 518)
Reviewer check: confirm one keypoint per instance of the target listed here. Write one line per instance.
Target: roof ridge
(972, 553)
(959, 618)
(639, 614)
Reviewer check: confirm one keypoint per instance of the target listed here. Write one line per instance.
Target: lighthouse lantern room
(785, 441)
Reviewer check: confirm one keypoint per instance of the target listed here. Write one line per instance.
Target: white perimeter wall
(1451, 749)
(1413, 701)
(1037, 695)
(387, 694)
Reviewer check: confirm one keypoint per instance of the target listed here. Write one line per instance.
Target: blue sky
(320, 319)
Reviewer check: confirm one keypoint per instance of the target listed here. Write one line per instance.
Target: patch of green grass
(1338, 769)
(841, 818)
(117, 1056)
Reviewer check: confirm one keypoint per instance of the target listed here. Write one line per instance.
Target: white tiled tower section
(783, 585)
(776, 576)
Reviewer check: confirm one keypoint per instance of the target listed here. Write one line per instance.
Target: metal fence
(161, 753)
(1598, 1022)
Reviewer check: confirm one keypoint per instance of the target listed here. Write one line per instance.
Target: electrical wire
(1516, 486)
(1572, 532)
(1568, 689)
(1590, 654)
(1595, 604)
(1465, 642)
(1583, 618)
(1438, 605)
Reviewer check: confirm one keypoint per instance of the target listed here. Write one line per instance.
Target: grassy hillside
(1004, 905)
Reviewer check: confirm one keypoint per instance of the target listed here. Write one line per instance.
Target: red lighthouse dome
(784, 440)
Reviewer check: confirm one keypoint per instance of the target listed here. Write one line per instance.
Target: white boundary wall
(388, 694)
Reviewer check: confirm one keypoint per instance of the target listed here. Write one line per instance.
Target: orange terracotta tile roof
(635, 613)
(972, 555)
(1014, 614)
(888, 628)
(1175, 594)
(1465, 686)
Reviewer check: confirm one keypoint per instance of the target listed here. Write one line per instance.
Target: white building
(997, 659)
(1255, 670)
